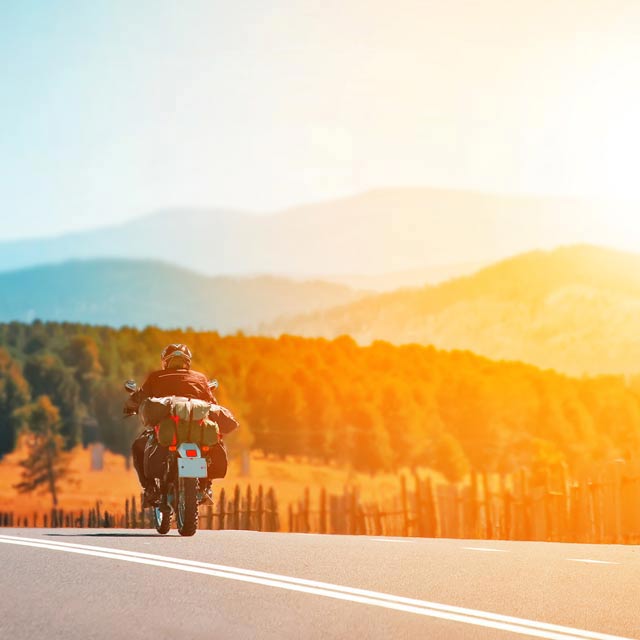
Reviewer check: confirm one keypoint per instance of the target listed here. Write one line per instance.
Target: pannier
(217, 461)
(154, 458)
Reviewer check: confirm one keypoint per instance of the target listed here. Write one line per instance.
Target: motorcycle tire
(187, 506)
(162, 519)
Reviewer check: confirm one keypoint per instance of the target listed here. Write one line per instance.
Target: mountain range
(318, 270)
(575, 309)
(409, 232)
(139, 293)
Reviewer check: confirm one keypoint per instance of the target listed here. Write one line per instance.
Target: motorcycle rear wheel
(187, 506)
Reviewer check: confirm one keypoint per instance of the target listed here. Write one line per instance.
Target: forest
(374, 408)
(575, 309)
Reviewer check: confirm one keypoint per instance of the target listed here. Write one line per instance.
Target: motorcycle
(180, 493)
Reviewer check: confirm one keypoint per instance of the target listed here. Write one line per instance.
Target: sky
(111, 109)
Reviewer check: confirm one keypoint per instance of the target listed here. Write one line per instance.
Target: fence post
(274, 517)
(430, 519)
(247, 524)
(405, 506)
(362, 519)
(260, 509)
(566, 503)
(236, 508)
(306, 523)
(505, 533)
(353, 520)
(267, 511)
(474, 507)
(323, 510)
(221, 507)
(526, 505)
(617, 497)
(377, 518)
(591, 509)
(420, 504)
(488, 516)
(230, 516)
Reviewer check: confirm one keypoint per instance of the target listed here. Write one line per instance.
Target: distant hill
(410, 278)
(575, 309)
(387, 231)
(138, 293)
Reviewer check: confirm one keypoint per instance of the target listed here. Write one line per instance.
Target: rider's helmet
(176, 356)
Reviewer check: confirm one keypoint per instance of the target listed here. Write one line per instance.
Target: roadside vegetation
(371, 409)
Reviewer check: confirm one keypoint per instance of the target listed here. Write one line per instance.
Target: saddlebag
(154, 458)
(167, 432)
(217, 462)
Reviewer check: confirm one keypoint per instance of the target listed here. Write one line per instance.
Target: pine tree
(14, 393)
(46, 463)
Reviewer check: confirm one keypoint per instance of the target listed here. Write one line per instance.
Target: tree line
(374, 408)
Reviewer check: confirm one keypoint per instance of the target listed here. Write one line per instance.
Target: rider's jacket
(175, 382)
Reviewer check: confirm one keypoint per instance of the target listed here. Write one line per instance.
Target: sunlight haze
(112, 110)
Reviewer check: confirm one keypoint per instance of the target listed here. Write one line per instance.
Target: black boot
(150, 496)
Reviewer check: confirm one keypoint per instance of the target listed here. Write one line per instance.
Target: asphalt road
(85, 584)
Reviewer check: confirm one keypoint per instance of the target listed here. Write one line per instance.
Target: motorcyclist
(176, 378)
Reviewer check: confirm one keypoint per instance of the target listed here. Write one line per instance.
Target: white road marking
(338, 592)
(486, 549)
(385, 540)
(587, 561)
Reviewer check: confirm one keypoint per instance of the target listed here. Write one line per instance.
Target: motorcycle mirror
(131, 386)
(212, 384)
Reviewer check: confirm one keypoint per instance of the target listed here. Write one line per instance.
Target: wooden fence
(602, 507)
(256, 511)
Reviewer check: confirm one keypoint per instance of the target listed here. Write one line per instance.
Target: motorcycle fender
(192, 468)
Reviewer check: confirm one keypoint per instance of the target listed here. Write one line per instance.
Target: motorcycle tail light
(191, 453)
(172, 447)
(205, 448)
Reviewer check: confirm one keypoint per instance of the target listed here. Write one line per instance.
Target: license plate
(192, 468)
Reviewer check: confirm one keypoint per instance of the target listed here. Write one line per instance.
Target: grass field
(115, 483)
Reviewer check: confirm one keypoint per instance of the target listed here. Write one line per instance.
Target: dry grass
(115, 483)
